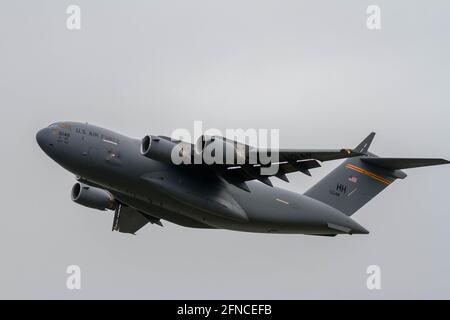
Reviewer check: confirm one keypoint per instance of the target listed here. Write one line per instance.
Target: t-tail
(356, 181)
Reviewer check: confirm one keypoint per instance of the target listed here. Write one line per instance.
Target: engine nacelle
(208, 150)
(165, 150)
(92, 197)
(221, 150)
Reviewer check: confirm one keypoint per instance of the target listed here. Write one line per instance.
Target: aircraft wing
(248, 163)
(289, 160)
(306, 154)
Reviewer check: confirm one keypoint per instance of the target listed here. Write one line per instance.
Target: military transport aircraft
(137, 180)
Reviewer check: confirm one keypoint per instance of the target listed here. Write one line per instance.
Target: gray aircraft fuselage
(183, 195)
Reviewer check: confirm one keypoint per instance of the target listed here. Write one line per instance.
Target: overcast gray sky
(309, 68)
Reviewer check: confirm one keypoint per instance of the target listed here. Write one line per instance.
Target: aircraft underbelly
(271, 209)
(227, 207)
(161, 213)
(205, 197)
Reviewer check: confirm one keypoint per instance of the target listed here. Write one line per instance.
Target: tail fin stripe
(368, 173)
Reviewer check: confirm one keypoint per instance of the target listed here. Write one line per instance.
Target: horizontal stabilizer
(403, 163)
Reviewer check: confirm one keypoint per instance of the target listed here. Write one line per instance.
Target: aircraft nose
(42, 138)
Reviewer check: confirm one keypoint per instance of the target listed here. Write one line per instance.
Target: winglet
(363, 147)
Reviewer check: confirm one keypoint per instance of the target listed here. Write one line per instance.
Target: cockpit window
(60, 125)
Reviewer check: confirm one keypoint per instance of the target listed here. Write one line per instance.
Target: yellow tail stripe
(375, 177)
(368, 173)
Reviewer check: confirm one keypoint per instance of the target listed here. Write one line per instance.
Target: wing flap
(237, 175)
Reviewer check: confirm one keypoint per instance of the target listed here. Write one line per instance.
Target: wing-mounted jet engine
(158, 148)
(126, 219)
(92, 197)
(207, 150)
(220, 150)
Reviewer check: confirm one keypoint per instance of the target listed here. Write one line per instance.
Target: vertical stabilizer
(357, 180)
